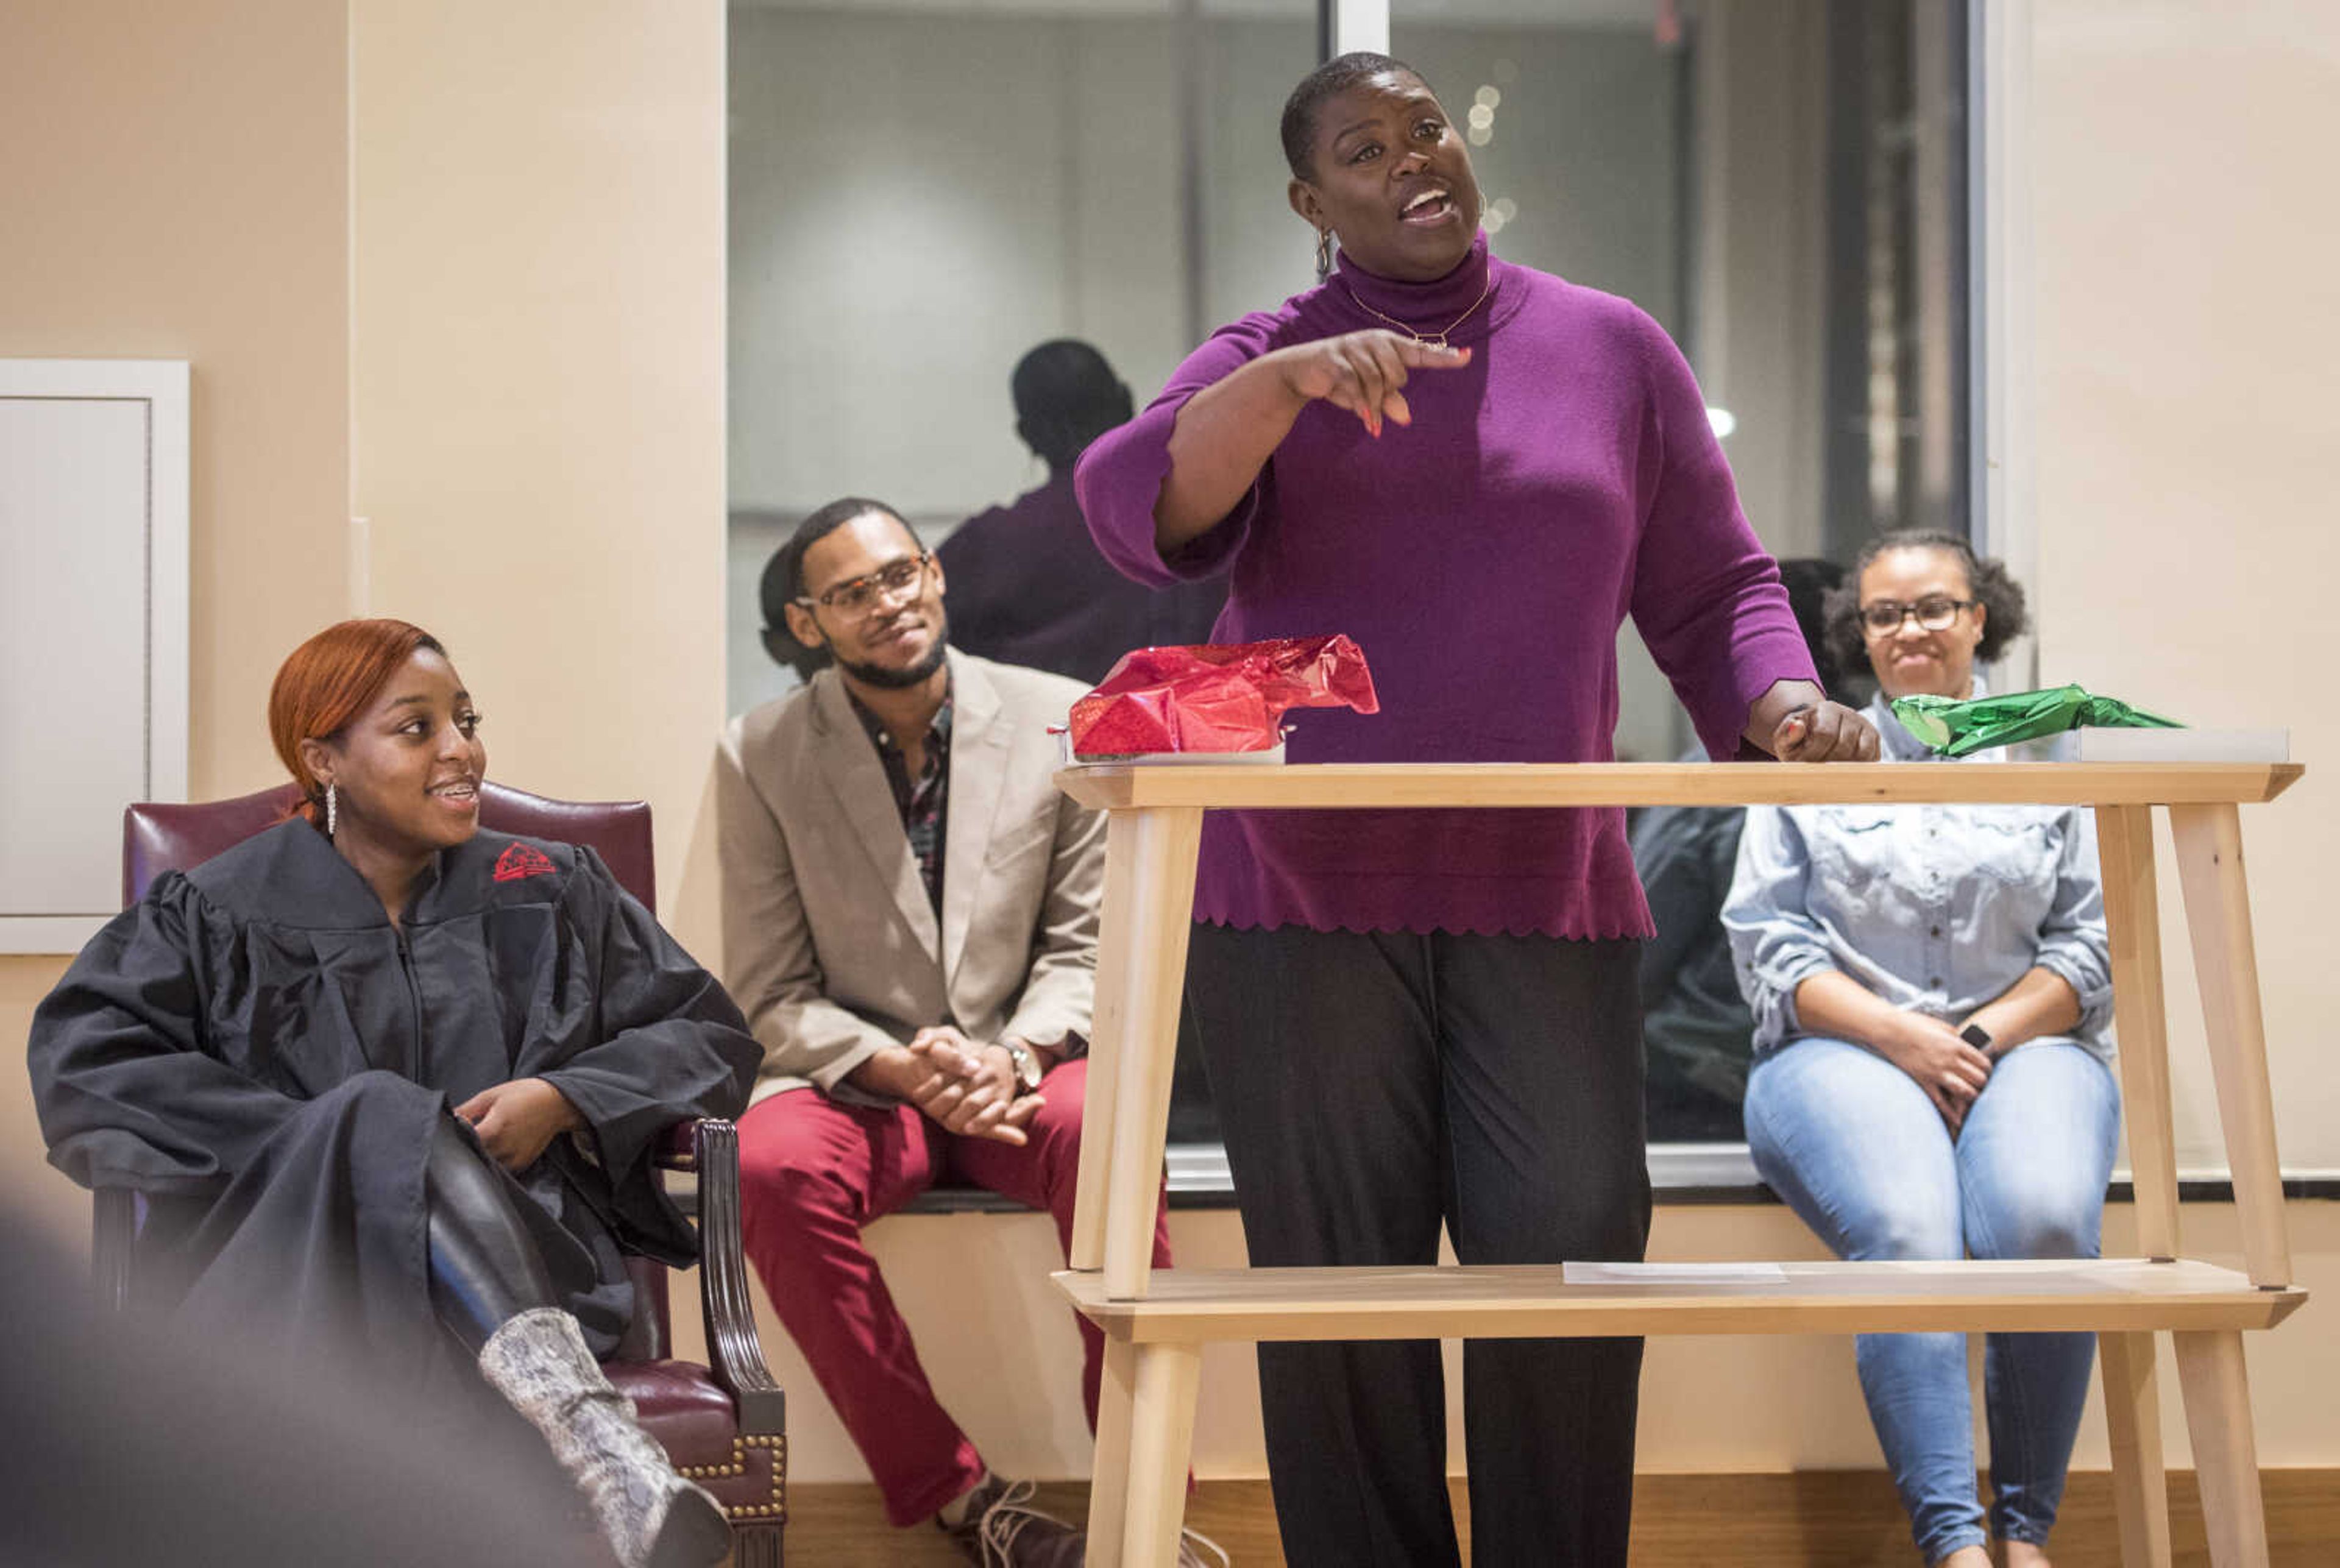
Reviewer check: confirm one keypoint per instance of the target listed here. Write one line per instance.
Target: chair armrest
(733, 1352)
(114, 1241)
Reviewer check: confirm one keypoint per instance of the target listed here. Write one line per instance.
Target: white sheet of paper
(1672, 1274)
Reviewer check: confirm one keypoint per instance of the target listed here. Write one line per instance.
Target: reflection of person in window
(1411, 1017)
(1027, 583)
(395, 1082)
(1693, 1022)
(1931, 990)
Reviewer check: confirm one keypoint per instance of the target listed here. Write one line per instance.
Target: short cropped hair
(1305, 108)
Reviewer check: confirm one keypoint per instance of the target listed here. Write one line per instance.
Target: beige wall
(176, 188)
(2186, 332)
(537, 390)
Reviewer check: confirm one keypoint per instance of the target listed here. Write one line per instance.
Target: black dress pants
(1370, 1087)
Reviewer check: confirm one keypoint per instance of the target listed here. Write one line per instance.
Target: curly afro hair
(2005, 618)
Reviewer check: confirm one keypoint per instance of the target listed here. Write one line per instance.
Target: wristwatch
(1027, 1064)
(1978, 1037)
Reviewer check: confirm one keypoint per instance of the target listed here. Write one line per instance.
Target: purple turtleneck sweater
(1484, 558)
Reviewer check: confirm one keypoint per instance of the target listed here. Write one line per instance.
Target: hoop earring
(332, 810)
(1323, 255)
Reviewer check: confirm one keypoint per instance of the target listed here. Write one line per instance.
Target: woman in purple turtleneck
(1410, 1017)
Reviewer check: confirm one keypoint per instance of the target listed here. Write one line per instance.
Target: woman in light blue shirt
(1932, 998)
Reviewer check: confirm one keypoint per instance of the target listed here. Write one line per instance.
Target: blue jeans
(1855, 1147)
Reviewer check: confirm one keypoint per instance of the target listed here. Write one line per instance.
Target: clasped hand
(1951, 1072)
(968, 1088)
(515, 1121)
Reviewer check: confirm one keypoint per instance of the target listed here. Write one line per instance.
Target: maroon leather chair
(723, 1424)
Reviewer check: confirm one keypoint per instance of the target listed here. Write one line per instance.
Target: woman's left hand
(515, 1121)
(1824, 732)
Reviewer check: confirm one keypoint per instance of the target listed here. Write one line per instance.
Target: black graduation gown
(257, 1046)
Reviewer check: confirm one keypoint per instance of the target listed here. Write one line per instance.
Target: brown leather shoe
(1002, 1530)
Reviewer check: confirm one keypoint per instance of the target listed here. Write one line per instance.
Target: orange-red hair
(328, 680)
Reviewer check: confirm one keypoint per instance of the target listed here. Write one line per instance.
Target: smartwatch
(1027, 1064)
(1978, 1037)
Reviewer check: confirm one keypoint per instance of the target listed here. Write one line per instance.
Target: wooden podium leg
(1160, 1439)
(2218, 917)
(2133, 923)
(1109, 1474)
(1086, 1253)
(1142, 1032)
(2225, 1456)
(1145, 1406)
(2133, 1412)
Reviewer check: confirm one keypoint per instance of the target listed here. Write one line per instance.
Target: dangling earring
(1323, 255)
(332, 810)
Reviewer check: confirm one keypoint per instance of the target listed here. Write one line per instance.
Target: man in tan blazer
(909, 923)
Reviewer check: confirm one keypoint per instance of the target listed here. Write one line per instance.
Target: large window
(921, 190)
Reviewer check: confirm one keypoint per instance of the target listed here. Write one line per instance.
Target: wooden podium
(1155, 1323)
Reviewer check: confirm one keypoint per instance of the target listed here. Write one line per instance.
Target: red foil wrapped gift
(1217, 699)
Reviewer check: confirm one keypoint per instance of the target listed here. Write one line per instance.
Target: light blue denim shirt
(1938, 909)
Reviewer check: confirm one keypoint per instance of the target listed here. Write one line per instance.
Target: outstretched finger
(1431, 356)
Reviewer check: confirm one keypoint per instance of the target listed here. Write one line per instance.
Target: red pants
(812, 1173)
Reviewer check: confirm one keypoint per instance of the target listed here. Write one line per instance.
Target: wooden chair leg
(2225, 967)
(1109, 1474)
(2225, 1456)
(2133, 1412)
(1161, 1437)
(760, 1546)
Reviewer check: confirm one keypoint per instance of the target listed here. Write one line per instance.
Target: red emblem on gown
(521, 860)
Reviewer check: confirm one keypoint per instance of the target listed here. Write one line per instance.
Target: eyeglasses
(859, 595)
(1935, 613)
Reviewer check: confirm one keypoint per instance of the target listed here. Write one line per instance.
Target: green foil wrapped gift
(1954, 729)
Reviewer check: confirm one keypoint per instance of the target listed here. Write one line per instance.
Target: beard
(886, 679)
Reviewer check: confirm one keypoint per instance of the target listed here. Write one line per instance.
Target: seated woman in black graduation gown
(398, 1081)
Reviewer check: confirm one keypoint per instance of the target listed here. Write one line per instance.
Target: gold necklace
(1434, 340)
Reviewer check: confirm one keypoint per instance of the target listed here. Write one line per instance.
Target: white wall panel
(92, 631)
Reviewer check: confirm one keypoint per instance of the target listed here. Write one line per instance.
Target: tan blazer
(831, 946)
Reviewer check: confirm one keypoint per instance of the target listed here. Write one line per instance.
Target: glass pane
(922, 192)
